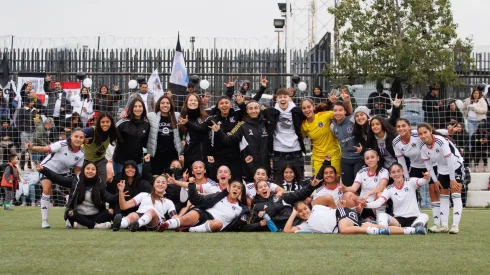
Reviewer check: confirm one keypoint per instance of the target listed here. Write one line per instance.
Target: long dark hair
(23, 160)
(385, 125)
(360, 132)
(131, 107)
(280, 176)
(96, 189)
(98, 132)
(432, 130)
(173, 119)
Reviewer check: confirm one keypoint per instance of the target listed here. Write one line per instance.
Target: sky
(155, 23)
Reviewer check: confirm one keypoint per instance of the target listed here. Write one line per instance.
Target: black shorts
(348, 213)
(204, 216)
(405, 222)
(43, 177)
(368, 213)
(445, 181)
(419, 173)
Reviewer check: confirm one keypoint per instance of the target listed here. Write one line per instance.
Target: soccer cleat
(418, 224)
(420, 230)
(434, 229)
(78, 226)
(383, 231)
(33, 204)
(134, 226)
(105, 225)
(117, 223)
(45, 225)
(68, 224)
(442, 229)
(163, 226)
(454, 230)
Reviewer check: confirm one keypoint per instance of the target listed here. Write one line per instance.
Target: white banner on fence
(155, 85)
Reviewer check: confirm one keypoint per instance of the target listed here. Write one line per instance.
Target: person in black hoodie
(134, 132)
(432, 106)
(195, 131)
(216, 212)
(318, 96)
(452, 114)
(379, 102)
(290, 179)
(380, 138)
(106, 101)
(92, 212)
(278, 209)
(254, 138)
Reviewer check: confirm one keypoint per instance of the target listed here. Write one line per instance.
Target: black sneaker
(117, 223)
(134, 226)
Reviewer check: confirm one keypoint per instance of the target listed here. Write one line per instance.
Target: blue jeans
(37, 157)
(118, 167)
(472, 126)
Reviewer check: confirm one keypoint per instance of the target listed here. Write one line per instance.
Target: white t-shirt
(61, 159)
(252, 192)
(322, 219)
(370, 182)
(285, 138)
(161, 206)
(323, 190)
(225, 211)
(404, 198)
(411, 150)
(441, 152)
(145, 100)
(57, 105)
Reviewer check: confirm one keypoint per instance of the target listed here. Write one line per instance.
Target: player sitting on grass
(403, 193)
(214, 212)
(152, 207)
(326, 218)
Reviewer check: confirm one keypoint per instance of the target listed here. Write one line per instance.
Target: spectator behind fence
(83, 105)
(452, 114)
(9, 140)
(432, 106)
(10, 181)
(58, 103)
(4, 106)
(146, 96)
(480, 146)
(42, 137)
(68, 124)
(29, 176)
(106, 101)
(475, 111)
(25, 121)
(379, 102)
(41, 109)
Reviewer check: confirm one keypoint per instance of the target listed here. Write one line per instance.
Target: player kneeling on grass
(152, 207)
(403, 193)
(86, 205)
(326, 218)
(216, 212)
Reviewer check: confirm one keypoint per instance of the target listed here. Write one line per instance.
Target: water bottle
(272, 226)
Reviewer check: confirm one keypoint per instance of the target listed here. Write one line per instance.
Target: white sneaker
(454, 229)
(434, 228)
(78, 226)
(67, 224)
(442, 229)
(106, 225)
(23, 204)
(45, 225)
(33, 204)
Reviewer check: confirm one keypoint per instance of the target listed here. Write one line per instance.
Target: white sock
(201, 228)
(444, 210)
(381, 209)
(408, 230)
(373, 230)
(124, 223)
(436, 212)
(173, 223)
(383, 219)
(423, 219)
(45, 205)
(457, 208)
(144, 220)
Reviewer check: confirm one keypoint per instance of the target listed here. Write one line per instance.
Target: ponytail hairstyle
(380, 161)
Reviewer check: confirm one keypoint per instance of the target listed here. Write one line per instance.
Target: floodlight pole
(286, 49)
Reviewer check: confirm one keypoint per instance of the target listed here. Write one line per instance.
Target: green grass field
(27, 249)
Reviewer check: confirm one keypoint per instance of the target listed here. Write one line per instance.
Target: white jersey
(444, 154)
(161, 206)
(323, 190)
(61, 159)
(370, 182)
(322, 219)
(411, 150)
(251, 191)
(225, 211)
(404, 198)
(210, 187)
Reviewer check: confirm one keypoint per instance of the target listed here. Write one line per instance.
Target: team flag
(179, 78)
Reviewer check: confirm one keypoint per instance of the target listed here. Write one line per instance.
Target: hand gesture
(263, 223)
(192, 180)
(249, 159)
(39, 167)
(210, 159)
(62, 109)
(120, 185)
(169, 94)
(341, 188)
(29, 145)
(48, 78)
(450, 129)
(358, 148)
(314, 182)
(171, 179)
(124, 114)
(426, 175)
(230, 83)
(328, 157)
(185, 175)
(397, 102)
(146, 158)
(279, 194)
(84, 109)
(332, 96)
(345, 95)
(182, 120)
(240, 99)
(215, 127)
(308, 201)
(263, 81)
(115, 88)
(261, 214)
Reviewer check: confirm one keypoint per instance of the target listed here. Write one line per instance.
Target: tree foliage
(412, 40)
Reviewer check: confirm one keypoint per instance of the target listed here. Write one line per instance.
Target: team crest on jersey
(250, 132)
(77, 158)
(414, 145)
(243, 218)
(233, 207)
(375, 179)
(320, 124)
(264, 132)
(232, 119)
(349, 129)
(437, 150)
(405, 189)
